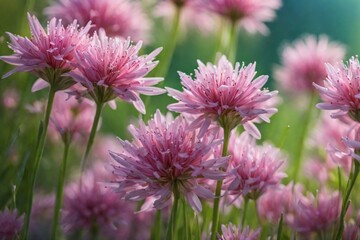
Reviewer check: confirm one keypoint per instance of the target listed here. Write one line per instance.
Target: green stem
(246, 203)
(156, 231)
(232, 48)
(345, 204)
(99, 107)
(186, 225)
(215, 217)
(219, 43)
(60, 191)
(38, 156)
(172, 221)
(166, 56)
(280, 227)
(304, 130)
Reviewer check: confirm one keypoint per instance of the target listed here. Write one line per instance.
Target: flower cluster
(225, 94)
(119, 18)
(47, 54)
(71, 118)
(254, 168)
(303, 63)
(111, 67)
(249, 14)
(166, 158)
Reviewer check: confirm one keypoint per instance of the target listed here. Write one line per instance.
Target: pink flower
(47, 54)
(303, 63)
(351, 232)
(318, 169)
(352, 143)
(10, 98)
(89, 205)
(253, 168)
(111, 67)
(249, 14)
(274, 202)
(224, 94)
(329, 133)
(71, 117)
(193, 15)
(166, 157)
(10, 224)
(41, 216)
(341, 90)
(315, 214)
(119, 18)
(237, 233)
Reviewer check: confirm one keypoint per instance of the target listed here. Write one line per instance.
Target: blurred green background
(340, 20)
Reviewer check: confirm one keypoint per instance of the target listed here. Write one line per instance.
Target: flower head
(315, 214)
(341, 90)
(274, 202)
(254, 168)
(224, 94)
(249, 14)
(47, 54)
(111, 67)
(88, 205)
(231, 232)
(304, 63)
(10, 98)
(166, 158)
(71, 117)
(193, 15)
(329, 135)
(10, 224)
(119, 18)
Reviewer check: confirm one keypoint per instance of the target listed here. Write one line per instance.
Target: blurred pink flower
(88, 205)
(232, 232)
(119, 18)
(166, 156)
(71, 118)
(318, 170)
(351, 232)
(193, 15)
(249, 14)
(303, 63)
(275, 201)
(329, 133)
(111, 67)
(224, 94)
(10, 98)
(41, 216)
(10, 224)
(253, 168)
(47, 54)
(352, 143)
(341, 90)
(315, 214)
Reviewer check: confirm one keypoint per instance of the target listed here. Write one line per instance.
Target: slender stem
(60, 191)
(166, 55)
(345, 203)
(246, 203)
(231, 53)
(99, 107)
(219, 42)
(186, 225)
(303, 133)
(172, 221)
(157, 228)
(280, 227)
(215, 217)
(38, 156)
